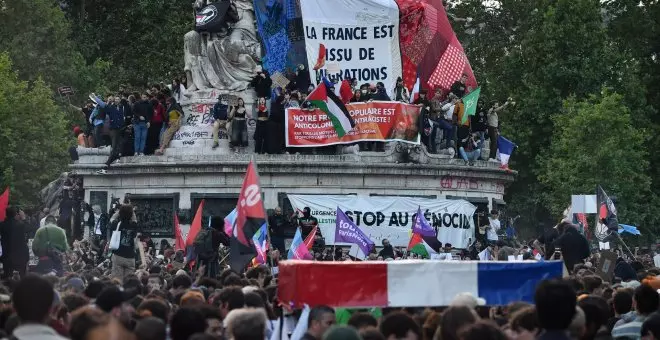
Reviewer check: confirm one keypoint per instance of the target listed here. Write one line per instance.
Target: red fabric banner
(4, 202)
(375, 121)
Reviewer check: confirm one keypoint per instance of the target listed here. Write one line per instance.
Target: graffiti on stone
(471, 184)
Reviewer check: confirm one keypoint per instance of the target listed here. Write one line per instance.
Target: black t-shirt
(458, 89)
(547, 239)
(129, 230)
(307, 224)
(479, 122)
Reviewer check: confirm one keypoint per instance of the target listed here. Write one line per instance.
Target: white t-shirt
(494, 227)
(42, 222)
(493, 119)
(656, 260)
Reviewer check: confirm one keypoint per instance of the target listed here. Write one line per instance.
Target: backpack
(204, 244)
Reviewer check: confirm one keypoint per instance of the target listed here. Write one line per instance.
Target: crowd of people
(136, 290)
(134, 123)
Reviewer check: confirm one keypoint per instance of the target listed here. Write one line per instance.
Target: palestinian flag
(424, 245)
(327, 101)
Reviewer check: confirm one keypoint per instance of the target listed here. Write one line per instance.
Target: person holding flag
(347, 231)
(298, 250)
(424, 240)
(250, 217)
(260, 241)
(327, 101)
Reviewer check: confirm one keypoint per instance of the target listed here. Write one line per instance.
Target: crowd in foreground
(161, 296)
(144, 123)
(161, 302)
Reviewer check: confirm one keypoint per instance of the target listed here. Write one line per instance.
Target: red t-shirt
(159, 114)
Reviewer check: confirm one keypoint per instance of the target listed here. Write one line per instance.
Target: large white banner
(392, 217)
(360, 39)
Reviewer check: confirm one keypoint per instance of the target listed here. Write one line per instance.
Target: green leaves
(595, 142)
(33, 138)
(562, 61)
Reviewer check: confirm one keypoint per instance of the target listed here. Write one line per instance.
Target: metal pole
(624, 244)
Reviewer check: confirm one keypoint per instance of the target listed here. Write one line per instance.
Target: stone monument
(217, 64)
(226, 60)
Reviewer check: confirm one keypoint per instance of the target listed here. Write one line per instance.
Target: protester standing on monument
(142, 113)
(156, 124)
(262, 85)
(174, 117)
(302, 79)
(219, 112)
(400, 92)
(178, 90)
(493, 127)
(239, 116)
(275, 139)
(261, 131)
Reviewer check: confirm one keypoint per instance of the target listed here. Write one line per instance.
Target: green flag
(470, 102)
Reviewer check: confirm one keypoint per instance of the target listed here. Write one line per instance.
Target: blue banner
(279, 23)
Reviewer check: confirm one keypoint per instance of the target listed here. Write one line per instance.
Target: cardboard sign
(606, 266)
(279, 80)
(65, 90)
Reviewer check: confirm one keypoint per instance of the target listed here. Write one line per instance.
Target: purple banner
(347, 231)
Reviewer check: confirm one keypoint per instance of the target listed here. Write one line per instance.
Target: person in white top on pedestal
(491, 232)
(656, 258)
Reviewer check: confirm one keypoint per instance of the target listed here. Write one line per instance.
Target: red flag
(250, 209)
(320, 60)
(345, 92)
(309, 240)
(429, 46)
(4, 202)
(179, 243)
(196, 225)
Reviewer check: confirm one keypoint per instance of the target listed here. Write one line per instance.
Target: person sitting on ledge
(470, 149)
(175, 114)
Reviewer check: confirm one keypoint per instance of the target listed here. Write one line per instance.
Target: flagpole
(263, 207)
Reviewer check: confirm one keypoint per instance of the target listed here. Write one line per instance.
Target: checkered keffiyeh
(429, 46)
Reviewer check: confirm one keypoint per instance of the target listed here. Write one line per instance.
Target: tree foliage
(594, 142)
(543, 53)
(142, 38)
(33, 135)
(37, 38)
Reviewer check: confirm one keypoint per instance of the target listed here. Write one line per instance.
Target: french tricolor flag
(505, 148)
(410, 283)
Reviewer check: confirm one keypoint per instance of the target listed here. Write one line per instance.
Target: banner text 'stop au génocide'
(391, 217)
(375, 121)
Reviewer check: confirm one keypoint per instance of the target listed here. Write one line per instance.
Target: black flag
(214, 17)
(607, 220)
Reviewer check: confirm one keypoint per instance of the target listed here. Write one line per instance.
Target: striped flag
(309, 240)
(229, 222)
(327, 101)
(260, 240)
(298, 250)
(410, 283)
(505, 148)
(196, 225)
